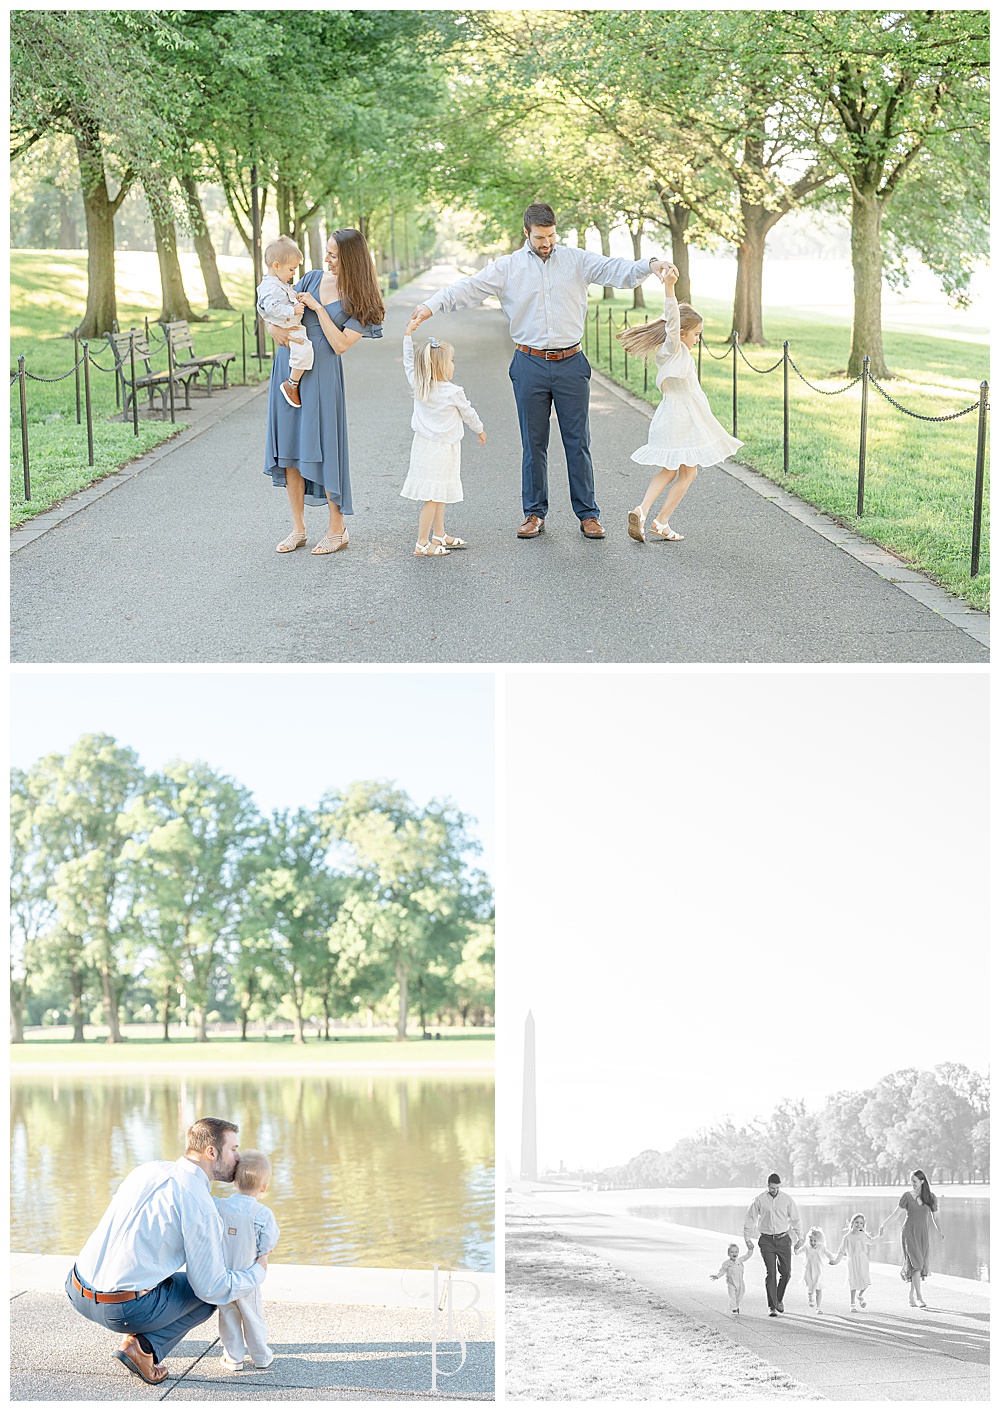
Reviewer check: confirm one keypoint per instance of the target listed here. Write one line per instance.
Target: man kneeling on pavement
(161, 1219)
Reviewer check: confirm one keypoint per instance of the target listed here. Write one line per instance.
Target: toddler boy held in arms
(248, 1230)
(278, 303)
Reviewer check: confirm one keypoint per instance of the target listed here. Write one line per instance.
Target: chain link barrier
(762, 370)
(823, 391)
(919, 416)
(33, 377)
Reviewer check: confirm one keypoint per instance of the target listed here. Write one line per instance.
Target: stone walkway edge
(303, 1283)
(882, 561)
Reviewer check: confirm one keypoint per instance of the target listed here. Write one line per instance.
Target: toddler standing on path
(439, 409)
(683, 434)
(733, 1271)
(817, 1255)
(248, 1230)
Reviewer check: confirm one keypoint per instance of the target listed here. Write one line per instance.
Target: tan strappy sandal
(663, 531)
(330, 543)
(293, 542)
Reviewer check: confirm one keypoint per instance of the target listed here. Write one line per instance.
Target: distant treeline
(168, 894)
(938, 1120)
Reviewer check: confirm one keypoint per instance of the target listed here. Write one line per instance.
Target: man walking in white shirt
(163, 1218)
(542, 288)
(774, 1217)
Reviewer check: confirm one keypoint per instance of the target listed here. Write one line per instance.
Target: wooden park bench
(179, 333)
(154, 384)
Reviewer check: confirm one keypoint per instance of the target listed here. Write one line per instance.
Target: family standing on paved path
(773, 1218)
(164, 1219)
(543, 290)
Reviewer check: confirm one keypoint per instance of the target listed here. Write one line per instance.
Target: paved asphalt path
(178, 564)
(888, 1352)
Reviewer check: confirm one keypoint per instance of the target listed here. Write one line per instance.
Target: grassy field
(920, 475)
(456, 1046)
(48, 296)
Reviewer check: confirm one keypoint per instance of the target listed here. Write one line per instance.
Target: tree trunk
(165, 1013)
(638, 299)
(404, 992)
(604, 231)
(748, 306)
(76, 1004)
(175, 300)
(203, 245)
(17, 1011)
(678, 220)
(282, 201)
(201, 1023)
(110, 1005)
(102, 310)
(866, 257)
(300, 1033)
(244, 1018)
(69, 236)
(315, 244)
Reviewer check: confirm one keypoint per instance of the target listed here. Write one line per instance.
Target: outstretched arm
(463, 294)
(619, 274)
(408, 358)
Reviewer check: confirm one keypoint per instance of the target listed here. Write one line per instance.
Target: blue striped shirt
(545, 300)
(161, 1219)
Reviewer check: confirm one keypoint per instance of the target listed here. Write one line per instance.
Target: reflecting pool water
(369, 1170)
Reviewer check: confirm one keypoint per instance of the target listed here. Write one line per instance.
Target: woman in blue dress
(307, 445)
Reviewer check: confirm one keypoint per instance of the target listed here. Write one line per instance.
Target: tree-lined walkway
(888, 1352)
(178, 564)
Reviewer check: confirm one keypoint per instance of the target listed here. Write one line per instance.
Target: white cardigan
(440, 418)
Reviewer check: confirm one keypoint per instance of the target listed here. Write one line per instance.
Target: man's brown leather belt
(550, 354)
(108, 1297)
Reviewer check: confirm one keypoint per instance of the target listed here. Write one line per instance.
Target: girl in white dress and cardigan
(683, 434)
(439, 410)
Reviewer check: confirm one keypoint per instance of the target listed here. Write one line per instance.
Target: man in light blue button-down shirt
(162, 1219)
(542, 288)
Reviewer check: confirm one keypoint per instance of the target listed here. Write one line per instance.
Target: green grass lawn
(455, 1047)
(48, 296)
(920, 475)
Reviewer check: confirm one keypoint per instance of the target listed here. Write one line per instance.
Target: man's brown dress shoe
(131, 1355)
(592, 528)
(532, 527)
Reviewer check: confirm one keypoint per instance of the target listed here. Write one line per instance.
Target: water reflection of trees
(374, 1170)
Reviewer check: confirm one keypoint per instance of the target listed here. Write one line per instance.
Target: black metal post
(76, 364)
(863, 447)
(611, 334)
(258, 263)
(135, 395)
(22, 392)
(145, 324)
(90, 408)
(243, 327)
(785, 373)
(736, 356)
(699, 357)
(977, 513)
(626, 349)
(170, 374)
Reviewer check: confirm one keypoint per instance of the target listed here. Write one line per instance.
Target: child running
(683, 434)
(278, 302)
(854, 1247)
(733, 1271)
(439, 409)
(817, 1255)
(248, 1230)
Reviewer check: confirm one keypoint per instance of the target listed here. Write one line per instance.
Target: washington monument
(529, 1126)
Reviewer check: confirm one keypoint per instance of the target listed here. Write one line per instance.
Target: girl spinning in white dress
(439, 409)
(683, 434)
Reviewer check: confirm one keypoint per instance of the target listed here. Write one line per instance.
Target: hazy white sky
(724, 889)
(289, 735)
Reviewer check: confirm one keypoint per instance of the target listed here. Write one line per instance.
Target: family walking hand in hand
(774, 1218)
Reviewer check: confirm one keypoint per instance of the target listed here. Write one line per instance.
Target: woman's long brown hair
(359, 291)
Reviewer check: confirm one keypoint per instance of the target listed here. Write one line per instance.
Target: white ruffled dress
(683, 430)
(435, 471)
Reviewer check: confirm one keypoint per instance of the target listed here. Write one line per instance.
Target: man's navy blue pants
(540, 384)
(164, 1315)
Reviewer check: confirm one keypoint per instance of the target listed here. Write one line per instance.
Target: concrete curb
(902, 575)
(229, 402)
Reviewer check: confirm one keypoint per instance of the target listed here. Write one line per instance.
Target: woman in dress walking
(683, 434)
(920, 1207)
(306, 450)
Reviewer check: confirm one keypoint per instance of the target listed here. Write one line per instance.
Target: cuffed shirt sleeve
(466, 293)
(205, 1261)
(266, 1230)
(467, 411)
(794, 1221)
(619, 274)
(408, 358)
(750, 1220)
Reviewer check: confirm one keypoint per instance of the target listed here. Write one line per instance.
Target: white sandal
(637, 525)
(331, 543)
(294, 541)
(663, 531)
(449, 542)
(431, 550)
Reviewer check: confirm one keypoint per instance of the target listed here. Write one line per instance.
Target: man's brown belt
(108, 1297)
(550, 354)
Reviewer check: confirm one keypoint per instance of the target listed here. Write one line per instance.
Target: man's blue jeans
(540, 384)
(164, 1315)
